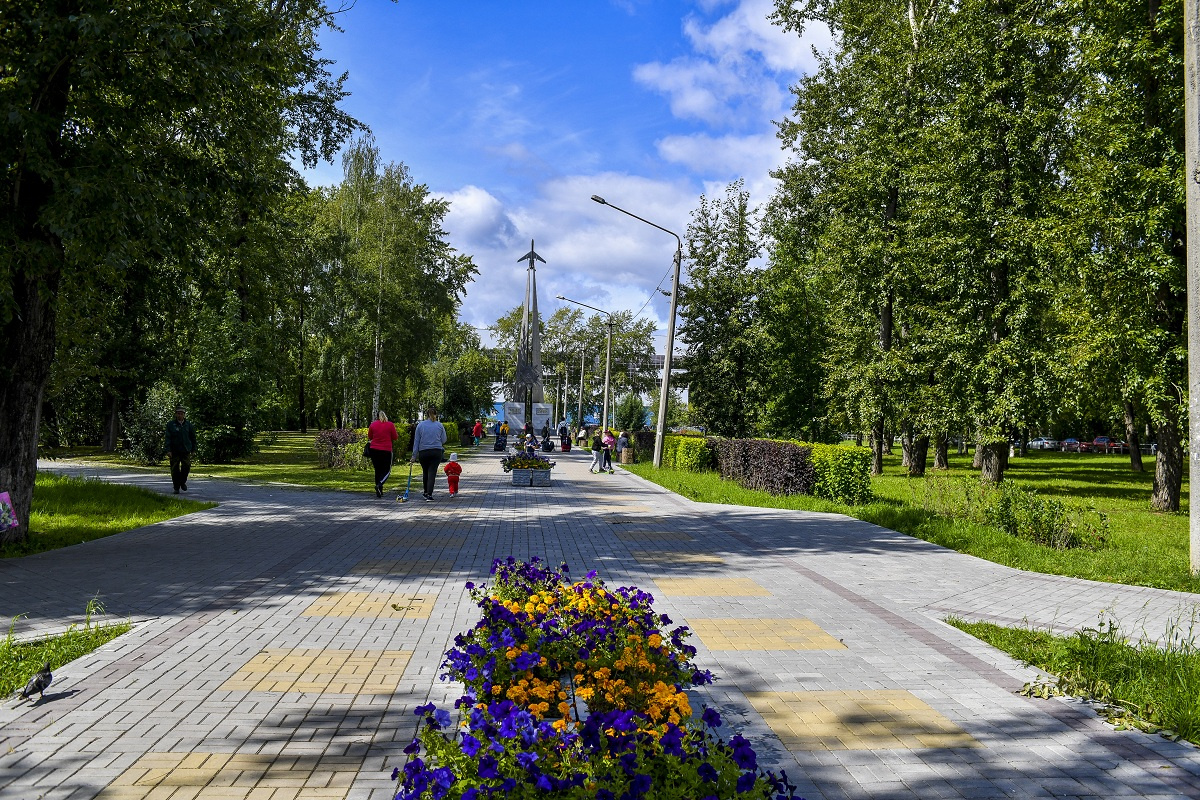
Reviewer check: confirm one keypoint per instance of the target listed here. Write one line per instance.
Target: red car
(1107, 444)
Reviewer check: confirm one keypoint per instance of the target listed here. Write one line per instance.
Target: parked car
(1101, 444)
(1043, 444)
(1073, 446)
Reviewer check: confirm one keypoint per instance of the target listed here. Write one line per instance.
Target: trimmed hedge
(779, 468)
(843, 473)
(822, 470)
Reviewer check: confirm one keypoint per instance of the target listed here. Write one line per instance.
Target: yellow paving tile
(391, 566)
(371, 605)
(221, 776)
(763, 634)
(710, 587)
(323, 671)
(856, 720)
(424, 540)
(675, 558)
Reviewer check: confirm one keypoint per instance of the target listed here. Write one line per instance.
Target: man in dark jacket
(181, 443)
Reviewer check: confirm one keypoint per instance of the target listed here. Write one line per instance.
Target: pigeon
(38, 683)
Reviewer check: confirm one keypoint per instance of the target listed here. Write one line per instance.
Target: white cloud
(594, 254)
(724, 157)
(740, 67)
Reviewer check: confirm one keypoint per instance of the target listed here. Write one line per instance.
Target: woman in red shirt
(380, 436)
(477, 431)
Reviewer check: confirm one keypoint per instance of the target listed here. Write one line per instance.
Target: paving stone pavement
(267, 660)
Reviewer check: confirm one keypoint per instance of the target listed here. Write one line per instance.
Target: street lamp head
(559, 297)
(597, 198)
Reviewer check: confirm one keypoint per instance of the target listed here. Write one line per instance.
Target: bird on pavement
(39, 683)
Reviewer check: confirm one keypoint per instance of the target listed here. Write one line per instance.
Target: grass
(1143, 686)
(1144, 548)
(19, 661)
(69, 510)
(287, 457)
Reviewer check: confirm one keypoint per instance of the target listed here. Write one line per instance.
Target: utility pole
(1191, 88)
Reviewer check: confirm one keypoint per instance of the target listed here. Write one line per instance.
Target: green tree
(720, 319)
(630, 414)
(1127, 211)
(123, 126)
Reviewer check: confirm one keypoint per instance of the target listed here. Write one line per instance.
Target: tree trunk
(1024, 442)
(1168, 467)
(993, 461)
(112, 430)
(906, 446)
(977, 461)
(920, 453)
(27, 348)
(889, 439)
(858, 439)
(1131, 437)
(877, 447)
(941, 452)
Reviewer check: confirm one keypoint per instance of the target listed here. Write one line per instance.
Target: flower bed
(575, 690)
(520, 461)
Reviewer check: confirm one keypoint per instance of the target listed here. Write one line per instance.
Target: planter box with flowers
(575, 690)
(527, 470)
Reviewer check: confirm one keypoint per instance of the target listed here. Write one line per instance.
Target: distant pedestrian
(181, 443)
(531, 445)
(504, 429)
(622, 444)
(608, 442)
(380, 437)
(429, 441)
(477, 431)
(597, 453)
(453, 470)
(545, 431)
(564, 436)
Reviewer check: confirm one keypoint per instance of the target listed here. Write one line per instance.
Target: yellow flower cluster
(536, 695)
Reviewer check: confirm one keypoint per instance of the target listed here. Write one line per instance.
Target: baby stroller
(501, 444)
(547, 445)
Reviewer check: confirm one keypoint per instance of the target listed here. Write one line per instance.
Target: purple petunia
(470, 745)
(746, 782)
(707, 772)
(743, 753)
(711, 718)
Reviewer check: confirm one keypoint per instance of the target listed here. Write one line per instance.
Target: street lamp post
(607, 358)
(664, 391)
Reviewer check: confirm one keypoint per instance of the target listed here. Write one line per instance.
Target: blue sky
(518, 112)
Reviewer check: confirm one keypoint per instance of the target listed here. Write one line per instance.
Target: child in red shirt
(452, 469)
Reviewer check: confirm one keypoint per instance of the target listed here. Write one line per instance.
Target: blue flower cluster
(500, 750)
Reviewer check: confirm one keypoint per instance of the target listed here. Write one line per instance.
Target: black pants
(606, 462)
(181, 465)
(430, 460)
(382, 461)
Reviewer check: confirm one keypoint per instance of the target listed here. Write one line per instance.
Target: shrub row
(829, 471)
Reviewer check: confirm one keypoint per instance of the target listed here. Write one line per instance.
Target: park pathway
(282, 639)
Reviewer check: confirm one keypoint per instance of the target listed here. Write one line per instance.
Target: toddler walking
(452, 469)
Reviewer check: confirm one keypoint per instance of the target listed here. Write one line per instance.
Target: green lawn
(1156, 689)
(1144, 548)
(68, 510)
(20, 661)
(289, 457)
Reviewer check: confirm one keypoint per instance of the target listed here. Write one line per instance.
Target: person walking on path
(477, 432)
(181, 443)
(452, 469)
(597, 454)
(380, 435)
(608, 442)
(429, 440)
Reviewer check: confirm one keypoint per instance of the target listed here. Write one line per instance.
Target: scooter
(404, 497)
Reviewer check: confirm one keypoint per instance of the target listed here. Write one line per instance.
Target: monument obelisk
(529, 344)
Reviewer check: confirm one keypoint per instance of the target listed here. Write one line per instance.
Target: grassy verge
(289, 457)
(68, 510)
(1144, 548)
(19, 661)
(1153, 689)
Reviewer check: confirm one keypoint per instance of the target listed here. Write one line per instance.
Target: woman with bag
(380, 436)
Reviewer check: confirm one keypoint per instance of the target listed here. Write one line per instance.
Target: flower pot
(522, 477)
(539, 477)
